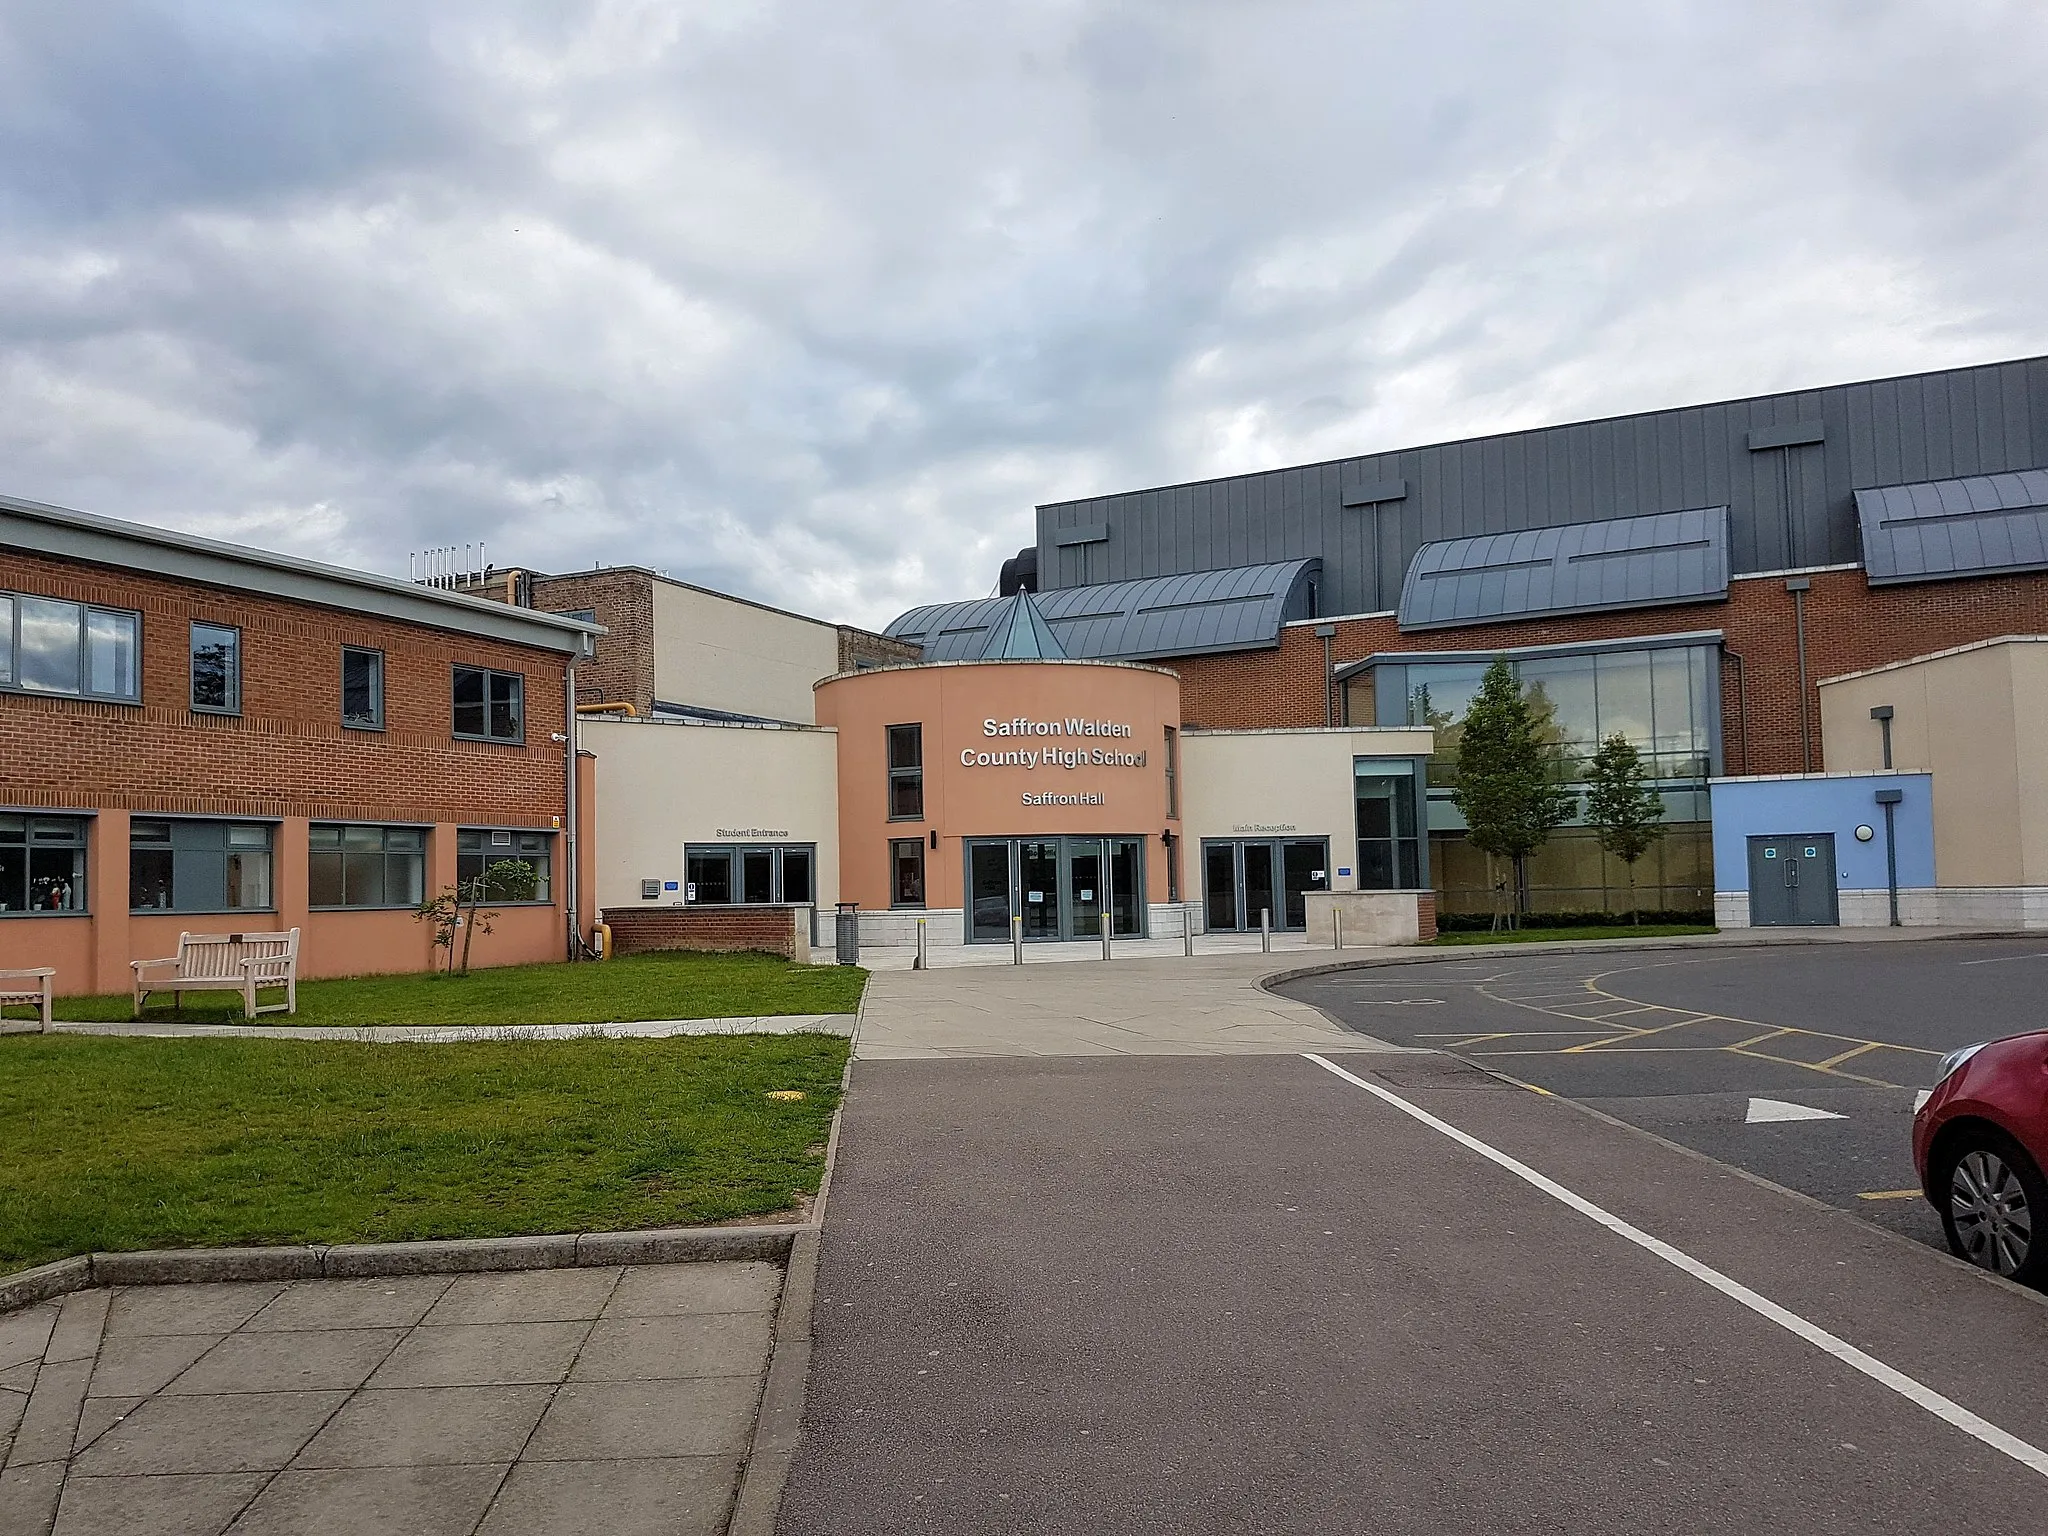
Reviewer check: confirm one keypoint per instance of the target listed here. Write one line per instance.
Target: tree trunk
(1521, 888)
(468, 929)
(1635, 912)
(1492, 896)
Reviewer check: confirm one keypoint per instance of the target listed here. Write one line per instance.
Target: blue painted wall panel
(1746, 808)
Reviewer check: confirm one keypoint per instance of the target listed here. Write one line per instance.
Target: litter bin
(846, 934)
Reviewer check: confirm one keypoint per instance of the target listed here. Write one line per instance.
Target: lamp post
(1889, 799)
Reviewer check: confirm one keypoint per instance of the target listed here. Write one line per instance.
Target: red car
(1979, 1144)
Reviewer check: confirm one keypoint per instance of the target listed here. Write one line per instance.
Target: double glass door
(1242, 878)
(1059, 886)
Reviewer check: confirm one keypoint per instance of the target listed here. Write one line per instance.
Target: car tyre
(1994, 1205)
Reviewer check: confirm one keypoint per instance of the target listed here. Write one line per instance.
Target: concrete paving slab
(19, 1378)
(76, 1336)
(661, 1348)
(673, 1496)
(12, 1406)
(590, 1421)
(50, 1421)
(672, 1290)
(492, 1354)
(140, 1366)
(28, 1499)
(304, 1360)
(345, 1501)
(429, 1426)
(536, 1296)
(216, 1308)
(382, 1301)
(196, 1504)
(101, 1414)
(253, 1432)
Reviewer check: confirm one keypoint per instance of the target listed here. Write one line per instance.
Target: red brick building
(198, 736)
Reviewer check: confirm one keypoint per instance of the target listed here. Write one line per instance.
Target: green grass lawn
(660, 986)
(165, 1143)
(1546, 935)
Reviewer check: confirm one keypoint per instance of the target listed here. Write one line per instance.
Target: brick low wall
(716, 930)
(1425, 916)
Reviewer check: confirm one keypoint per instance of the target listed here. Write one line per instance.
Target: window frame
(923, 903)
(10, 675)
(554, 844)
(909, 774)
(234, 690)
(384, 852)
(731, 853)
(270, 829)
(489, 675)
(376, 722)
(1172, 756)
(83, 824)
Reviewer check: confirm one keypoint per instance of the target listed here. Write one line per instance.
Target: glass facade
(736, 874)
(42, 863)
(355, 866)
(198, 866)
(1664, 698)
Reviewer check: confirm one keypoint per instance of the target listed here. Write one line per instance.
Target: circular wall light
(1864, 834)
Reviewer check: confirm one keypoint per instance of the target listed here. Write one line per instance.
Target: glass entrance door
(1305, 867)
(1258, 885)
(1059, 886)
(1038, 872)
(1241, 879)
(1084, 892)
(1127, 885)
(988, 891)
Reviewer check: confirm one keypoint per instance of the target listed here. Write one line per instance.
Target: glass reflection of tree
(1443, 761)
(1553, 736)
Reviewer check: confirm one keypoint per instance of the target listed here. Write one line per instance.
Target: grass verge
(112, 1144)
(1561, 935)
(660, 986)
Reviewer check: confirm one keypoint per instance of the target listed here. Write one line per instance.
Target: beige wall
(1281, 783)
(721, 653)
(662, 785)
(1977, 719)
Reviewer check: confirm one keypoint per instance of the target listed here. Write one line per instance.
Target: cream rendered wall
(722, 653)
(661, 785)
(2030, 742)
(1300, 780)
(1954, 716)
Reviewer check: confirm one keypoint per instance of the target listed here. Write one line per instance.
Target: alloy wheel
(1988, 1205)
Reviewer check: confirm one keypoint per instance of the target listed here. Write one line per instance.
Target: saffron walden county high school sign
(1051, 756)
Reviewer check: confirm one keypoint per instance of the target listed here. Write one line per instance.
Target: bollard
(1266, 930)
(923, 962)
(1336, 928)
(1187, 928)
(1016, 941)
(1105, 935)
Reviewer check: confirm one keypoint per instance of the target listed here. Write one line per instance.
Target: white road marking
(1948, 1411)
(1773, 1111)
(1920, 1099)
(2002, 959)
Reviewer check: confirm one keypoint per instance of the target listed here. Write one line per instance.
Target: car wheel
(1994, 1204)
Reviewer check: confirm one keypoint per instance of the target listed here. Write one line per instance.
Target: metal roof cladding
(1017, 631)
(1622, 562)
(1967, 527)
(1240, 609)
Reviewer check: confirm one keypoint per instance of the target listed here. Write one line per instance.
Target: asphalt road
(1205, 1295)
(1680, 1041)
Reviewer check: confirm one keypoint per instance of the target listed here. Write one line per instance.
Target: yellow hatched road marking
(1890, 1194)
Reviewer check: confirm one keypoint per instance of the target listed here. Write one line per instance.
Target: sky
(814, 302)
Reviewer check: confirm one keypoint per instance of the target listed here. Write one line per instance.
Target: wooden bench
(37, 996)
(225, 962)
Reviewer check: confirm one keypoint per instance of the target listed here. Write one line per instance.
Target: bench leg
(48, 989)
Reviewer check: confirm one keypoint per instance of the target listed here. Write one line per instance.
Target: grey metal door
(1792, 881)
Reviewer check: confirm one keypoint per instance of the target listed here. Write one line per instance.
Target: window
(1172, 771)
(362, 688)
(198, 866)
(906, 773)
(490, 706)
(366, 866)
(477, 849)
(47, 646)
(1389, 846)
(730, 874)
(587, 615)
(216, 669)
(906, 872)
(42, 864)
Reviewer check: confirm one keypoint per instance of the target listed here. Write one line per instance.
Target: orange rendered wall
(951, 701)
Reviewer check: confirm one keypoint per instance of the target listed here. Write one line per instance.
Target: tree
(1627, 813)
(1505, 788)
(459, 907)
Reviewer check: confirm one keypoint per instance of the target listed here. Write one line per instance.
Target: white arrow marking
(1771, 1111)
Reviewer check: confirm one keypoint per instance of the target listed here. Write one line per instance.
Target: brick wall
(861, 647)
(622, 671)
(1425, 917)
(1849, 626)
(287, 753)
(718, 930)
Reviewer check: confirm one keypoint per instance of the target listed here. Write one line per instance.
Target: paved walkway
(617, 1400)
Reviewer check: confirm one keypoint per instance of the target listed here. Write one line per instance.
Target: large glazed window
(49, 646)
(490, 706)
(478, 850)
(738, 874)
(198, 866)
(216, 669)
(352, 866)
(42, 864)
(362, 688)
(1389, 834)
(906, 773)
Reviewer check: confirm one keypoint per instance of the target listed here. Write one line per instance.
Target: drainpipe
(570, 841)
(1882, 714)
(1798, 587)
(1326, 633)
(1889, 799)
(1741, 702)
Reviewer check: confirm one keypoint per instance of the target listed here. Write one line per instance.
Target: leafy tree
(459, 907)
(1627, 813)
(1505, 787)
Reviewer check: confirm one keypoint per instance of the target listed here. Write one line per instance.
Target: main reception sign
(1049, 756)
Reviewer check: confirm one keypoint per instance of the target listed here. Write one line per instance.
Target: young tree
(459, 908)
(1627, 813)
(1505, 789)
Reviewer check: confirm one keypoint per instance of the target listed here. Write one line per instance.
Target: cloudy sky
(814, 301)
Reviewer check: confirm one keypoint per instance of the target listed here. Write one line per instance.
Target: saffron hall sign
(1050, 756)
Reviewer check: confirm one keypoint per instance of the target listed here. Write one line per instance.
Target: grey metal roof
(65, 534)
(1234, 610)
(1017, 631)
(1967, 527)
(1623, 562)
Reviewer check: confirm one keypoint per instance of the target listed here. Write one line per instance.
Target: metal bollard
(1016, 941)
(1105, 935)
(1266, 930)
(923, 962)
(1187, 928)
(1337, 928)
